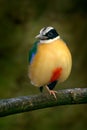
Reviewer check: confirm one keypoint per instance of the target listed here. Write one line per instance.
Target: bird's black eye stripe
(52, 34)
(44, 28)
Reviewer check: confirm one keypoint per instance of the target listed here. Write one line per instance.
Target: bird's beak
(38, 36)
(41, 37)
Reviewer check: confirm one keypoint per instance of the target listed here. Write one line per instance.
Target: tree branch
(29, 103)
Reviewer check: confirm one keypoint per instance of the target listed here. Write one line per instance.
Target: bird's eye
(50, 34)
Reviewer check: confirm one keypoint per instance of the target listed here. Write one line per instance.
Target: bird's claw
(52, 92)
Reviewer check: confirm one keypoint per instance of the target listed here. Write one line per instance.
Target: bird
(50, 60)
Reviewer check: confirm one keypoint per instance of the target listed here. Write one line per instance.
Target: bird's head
(47, 34)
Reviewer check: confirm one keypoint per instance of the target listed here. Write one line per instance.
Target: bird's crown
(47, 34)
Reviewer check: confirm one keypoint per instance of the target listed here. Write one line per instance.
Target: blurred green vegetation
(20, 22)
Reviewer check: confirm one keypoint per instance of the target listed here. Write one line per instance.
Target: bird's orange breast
(51, 62)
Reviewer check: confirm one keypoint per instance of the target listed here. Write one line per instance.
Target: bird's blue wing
(33, 51)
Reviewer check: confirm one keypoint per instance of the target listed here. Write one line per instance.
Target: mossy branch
(35, 102)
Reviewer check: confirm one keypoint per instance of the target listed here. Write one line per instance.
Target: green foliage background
(20, 22)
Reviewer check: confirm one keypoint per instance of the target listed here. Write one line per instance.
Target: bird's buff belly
(45, 71)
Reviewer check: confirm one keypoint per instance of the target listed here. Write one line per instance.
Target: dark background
(20, 22)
